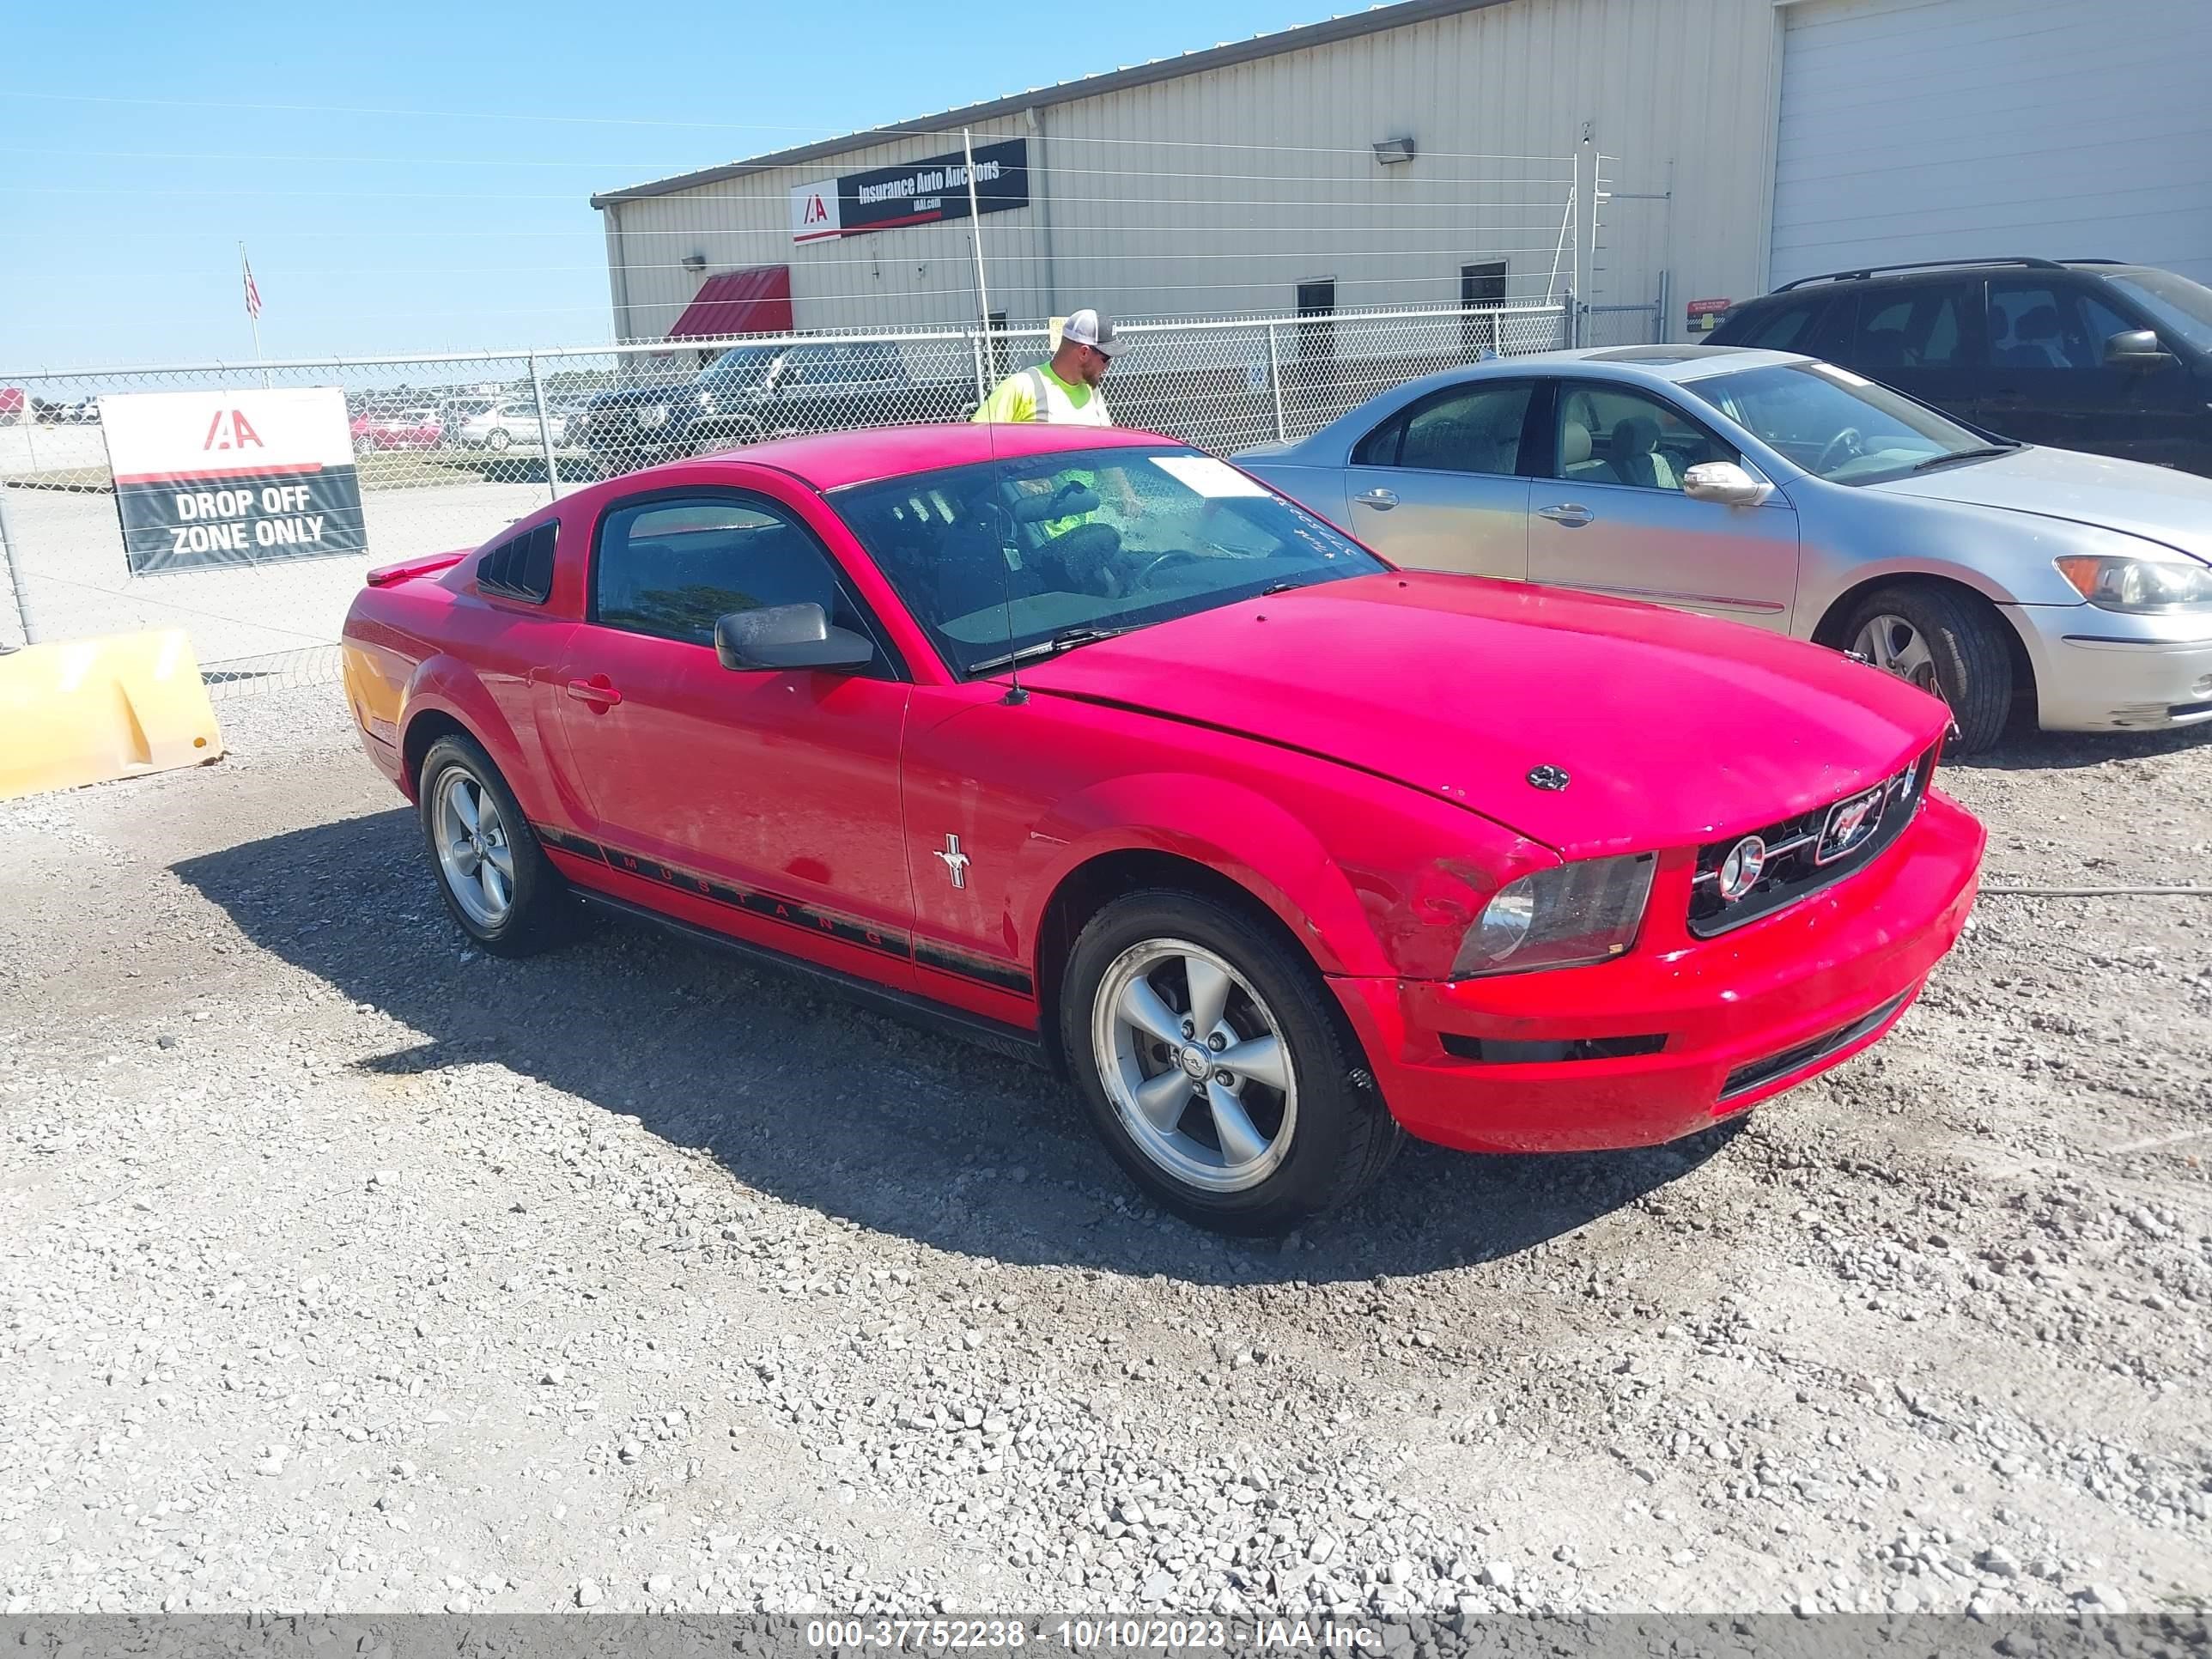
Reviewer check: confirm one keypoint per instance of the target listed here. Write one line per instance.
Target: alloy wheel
(1895, 645)
(473, 851)
(1195, 1065)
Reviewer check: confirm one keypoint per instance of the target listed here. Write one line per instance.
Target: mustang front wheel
(1216, 1070)
(497, 880)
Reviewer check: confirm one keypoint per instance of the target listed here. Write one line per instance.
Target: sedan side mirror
(1726, 482)
(2138, 348)
(788, 636)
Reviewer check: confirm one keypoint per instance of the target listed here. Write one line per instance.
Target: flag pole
(253, 312)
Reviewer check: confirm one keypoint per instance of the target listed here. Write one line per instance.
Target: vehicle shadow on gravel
(2052, 751)
(803, 1095)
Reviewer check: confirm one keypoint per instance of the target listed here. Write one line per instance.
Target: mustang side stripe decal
(776, 908)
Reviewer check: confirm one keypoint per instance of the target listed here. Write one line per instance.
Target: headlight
(1583, 912)
(2143, 586)
(653, 414)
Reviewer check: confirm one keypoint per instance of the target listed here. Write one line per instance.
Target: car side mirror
(788, 636)
(1726, 482)
(2137, 348)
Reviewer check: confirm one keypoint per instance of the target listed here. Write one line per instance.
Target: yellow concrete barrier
(83, 711)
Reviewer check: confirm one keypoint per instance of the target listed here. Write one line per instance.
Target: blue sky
(416, 176)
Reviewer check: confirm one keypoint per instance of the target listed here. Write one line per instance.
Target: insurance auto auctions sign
(232, 478)
(920, 193)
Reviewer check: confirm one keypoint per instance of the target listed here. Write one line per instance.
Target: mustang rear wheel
(496, 879)
(1215, 1067)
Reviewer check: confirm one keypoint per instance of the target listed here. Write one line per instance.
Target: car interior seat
(2036, 342)
(1576, 460)
(1636, 455)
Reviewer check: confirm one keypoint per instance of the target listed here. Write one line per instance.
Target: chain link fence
(450, 449)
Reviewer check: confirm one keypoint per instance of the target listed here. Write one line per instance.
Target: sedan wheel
(1194, 1062)
(1894, 646)
(497, 438)
(1216, 1067)
(1948, 642)
(473, 853)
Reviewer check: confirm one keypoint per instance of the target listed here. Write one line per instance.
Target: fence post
(1570, 321)
(11, 556)
(544, 431)
(1275, 380)
(975, 349)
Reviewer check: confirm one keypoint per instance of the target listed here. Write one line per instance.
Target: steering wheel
(1173, 559)
(1847, 445)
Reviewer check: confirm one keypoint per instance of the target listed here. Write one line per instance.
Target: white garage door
(1943, 129)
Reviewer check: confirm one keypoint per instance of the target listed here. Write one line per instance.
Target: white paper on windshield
(1215, 480)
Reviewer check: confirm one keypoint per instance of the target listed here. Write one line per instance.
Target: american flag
(252, 294)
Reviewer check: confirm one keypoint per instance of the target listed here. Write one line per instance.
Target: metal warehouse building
(1651, 157)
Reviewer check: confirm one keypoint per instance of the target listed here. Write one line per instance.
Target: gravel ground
(346, 1269)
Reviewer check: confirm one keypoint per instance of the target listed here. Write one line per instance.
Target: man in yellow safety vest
(1065, 391)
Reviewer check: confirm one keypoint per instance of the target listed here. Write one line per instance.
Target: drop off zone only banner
(232, 478)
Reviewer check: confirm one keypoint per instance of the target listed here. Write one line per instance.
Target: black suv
(2083, 353)
(754, 391)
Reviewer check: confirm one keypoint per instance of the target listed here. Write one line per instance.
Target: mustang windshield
(1838, 425)
(1027, 556)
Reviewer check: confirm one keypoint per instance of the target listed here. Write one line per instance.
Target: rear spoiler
(429, 564)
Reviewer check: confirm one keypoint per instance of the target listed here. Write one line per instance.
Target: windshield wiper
(1982, 453)
(1067, 639)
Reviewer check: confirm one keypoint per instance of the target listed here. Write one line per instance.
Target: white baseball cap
(1087, 327)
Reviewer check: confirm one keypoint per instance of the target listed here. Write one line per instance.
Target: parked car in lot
(502, 426)
(753, 392)
(1803, 498)
(1088, 745)
(2088, 354)
(397, 428)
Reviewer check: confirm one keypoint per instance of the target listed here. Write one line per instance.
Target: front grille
(1745, 1078)
(1806, 854)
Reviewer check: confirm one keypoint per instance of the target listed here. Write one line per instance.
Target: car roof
(831, 460)
(1655, 362)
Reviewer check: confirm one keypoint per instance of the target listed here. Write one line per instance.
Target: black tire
(1341, 1136)
(1972, 670)
(540, 912)
(497, 440)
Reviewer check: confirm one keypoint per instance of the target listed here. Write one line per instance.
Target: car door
(1611, 518)
(2050, 384)
(1437, 486)
(774, 793)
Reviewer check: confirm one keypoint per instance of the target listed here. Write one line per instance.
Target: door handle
(1380, 499)
(596, 689)
(1568, 514)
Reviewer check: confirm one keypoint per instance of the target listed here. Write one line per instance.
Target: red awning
(755, 301)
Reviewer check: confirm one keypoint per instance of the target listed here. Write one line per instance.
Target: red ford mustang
(1086, 743)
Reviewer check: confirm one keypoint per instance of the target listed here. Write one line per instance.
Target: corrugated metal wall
(1221, 191)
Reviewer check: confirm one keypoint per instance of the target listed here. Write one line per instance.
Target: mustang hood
(1672, 729)
(2155, 502)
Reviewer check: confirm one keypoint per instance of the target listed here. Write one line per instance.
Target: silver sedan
(1789, 494)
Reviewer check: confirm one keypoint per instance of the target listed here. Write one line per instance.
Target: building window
(1316, 318)
(1481, 285)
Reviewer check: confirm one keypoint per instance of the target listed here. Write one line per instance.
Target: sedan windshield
(1026, 557)
(2179, 306)
(1838, 425)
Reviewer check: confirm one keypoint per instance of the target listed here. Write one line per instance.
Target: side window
(1782, 329)
(1611, 434)
(520, 568)
(1463, 429)
(2037, 323)
(811, 366)
(1922, 325)
(876, 360)
(671, 566)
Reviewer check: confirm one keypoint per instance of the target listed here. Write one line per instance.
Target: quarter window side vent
(520, 568)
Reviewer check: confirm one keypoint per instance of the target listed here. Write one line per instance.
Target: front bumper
(2105, 671)
(1741, 1017)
